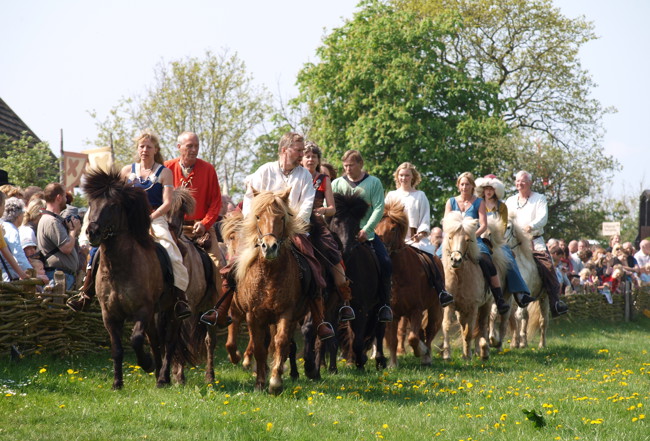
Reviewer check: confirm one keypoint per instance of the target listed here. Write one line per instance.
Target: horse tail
(534, 318)
(496, 237)
(187, 350)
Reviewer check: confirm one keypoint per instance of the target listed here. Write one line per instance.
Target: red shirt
(204, 185)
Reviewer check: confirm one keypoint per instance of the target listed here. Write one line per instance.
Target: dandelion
(42, 371)
(269, 426)
(61, 406)
(70, 371)
(384, 426)
(503, 417)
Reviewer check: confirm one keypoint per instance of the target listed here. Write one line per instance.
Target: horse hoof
(118, 385)
(275, 386)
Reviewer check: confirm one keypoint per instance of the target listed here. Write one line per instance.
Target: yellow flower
(42, 371)
(384, 426)
(269, 426)
(70, 371)
(61, 406)
(503, 417)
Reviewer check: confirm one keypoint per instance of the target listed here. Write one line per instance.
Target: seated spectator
(645, 275)
(588, 281)
(643, 256)
(613, 282)
(627, 262)
(12, 217)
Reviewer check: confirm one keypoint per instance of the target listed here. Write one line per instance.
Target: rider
(327, 246)
(156, 180)
(278, 175)
(201, 179)
(531, 211)
(355, 180)
(416, 207)
(469, 205)
(491, 190)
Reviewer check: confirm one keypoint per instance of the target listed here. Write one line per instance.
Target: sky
(62, 59)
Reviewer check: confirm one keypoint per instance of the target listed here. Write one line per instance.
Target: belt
(537, 237)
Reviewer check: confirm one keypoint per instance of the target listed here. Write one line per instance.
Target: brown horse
(268, 275)
(463, 276)
(202, 291)
(535, 317)
(129, 281)
(412, 294)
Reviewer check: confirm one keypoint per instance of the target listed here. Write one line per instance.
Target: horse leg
(423, 351)
(137, 343)
(248, 361)
(391, 342)
(402, 328)
(380, 358)
(495, 336)
(231, 342)
(446, 330)
(115, 329)
(293, 350)
(169, 334)
(312, 369)
(467, 323)
(210, 345)
(543, 321)
(482, 330)
(358, 346)
(283, 332)
(523, 332)
(260, 350)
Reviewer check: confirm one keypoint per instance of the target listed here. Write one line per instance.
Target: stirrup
(445, 298)
(525, 300)
(184, 312)
(206, 321)
(388, 314)
(80, 297)
(329, 334)
(350, 316)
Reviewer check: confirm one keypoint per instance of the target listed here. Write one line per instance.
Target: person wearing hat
(12, 217)
(491, 190)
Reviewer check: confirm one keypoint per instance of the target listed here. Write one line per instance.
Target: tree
(383, 88)
(212, 96)
(28, 162)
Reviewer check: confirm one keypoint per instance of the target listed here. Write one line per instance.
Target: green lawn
(591, 383)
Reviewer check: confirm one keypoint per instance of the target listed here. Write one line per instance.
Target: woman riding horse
(416, 207)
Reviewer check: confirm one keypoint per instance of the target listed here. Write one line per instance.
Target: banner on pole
(73, 167)
(100, 158)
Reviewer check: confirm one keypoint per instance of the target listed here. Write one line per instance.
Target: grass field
(591, 383)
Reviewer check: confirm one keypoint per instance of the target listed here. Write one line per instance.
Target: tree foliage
(212, 96)
(383, 87)
(28, 162)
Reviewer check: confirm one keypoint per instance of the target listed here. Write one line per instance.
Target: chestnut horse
(362, 268)
(412, 293)
(269, 290)
(129, 281)
(535, 317)
(463, 277)
(202, 291)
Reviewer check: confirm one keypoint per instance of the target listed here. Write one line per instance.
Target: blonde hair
(415, 180)
(352, 155)
(155, 140)
(33, 210)
(469, 176)
(289, 139)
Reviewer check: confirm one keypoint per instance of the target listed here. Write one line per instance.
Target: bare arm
(482, 219)
(167, 181)
(329, 200)
(11, 260)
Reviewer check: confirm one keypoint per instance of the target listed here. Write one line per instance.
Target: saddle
(165, 265)
(204, 242)
(307, 281)
(428, 263)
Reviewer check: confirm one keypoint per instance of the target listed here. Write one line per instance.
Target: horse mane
(231, 225)
(395, 211)
(110, 186)
(454, 222)
(495, 228)
(350, 205)
(523, 238)
(182, 203)
(277, 206)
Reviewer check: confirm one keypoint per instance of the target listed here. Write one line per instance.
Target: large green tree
(213, 96)
(28, 162)
(383, 87)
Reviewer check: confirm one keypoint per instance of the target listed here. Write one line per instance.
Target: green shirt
(371, 191)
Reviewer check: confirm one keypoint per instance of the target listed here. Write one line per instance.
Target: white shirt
(416, 206)
(270, 177)
(533, 212)
(642, 259)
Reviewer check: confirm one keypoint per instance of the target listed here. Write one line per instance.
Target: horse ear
(255, 192)
(285, 195)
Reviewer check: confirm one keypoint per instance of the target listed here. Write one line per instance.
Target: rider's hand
(199, 229)
(363, 237)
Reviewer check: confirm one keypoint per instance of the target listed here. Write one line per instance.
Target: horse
(362, 268)
(536, 316)
(129, 281)
(412, 293)
(463, 277)
(202, 291)
(269, 288)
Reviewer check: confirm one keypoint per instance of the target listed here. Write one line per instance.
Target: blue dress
(472, 212)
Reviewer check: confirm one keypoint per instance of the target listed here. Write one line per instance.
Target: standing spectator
(643, 256)
(12, 217)
(57, 237)
(436, 237)
(573, 247)
(614, 240)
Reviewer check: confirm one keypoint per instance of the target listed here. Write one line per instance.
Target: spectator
(32, 192)
(643, 256)
(573, 247)
(12, 217)
(615, 239)
(645, 275)
(30, 221)
(329, 170)
(436, 237)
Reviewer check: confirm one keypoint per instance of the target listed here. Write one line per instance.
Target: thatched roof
(12, 125)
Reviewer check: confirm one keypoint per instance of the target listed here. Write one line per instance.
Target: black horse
(362, 268)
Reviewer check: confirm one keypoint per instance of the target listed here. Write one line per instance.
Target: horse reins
(261, 235)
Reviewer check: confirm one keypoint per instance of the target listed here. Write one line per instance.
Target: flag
(100, 158)
(73, 166)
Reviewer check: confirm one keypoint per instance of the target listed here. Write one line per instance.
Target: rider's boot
(346, 313)
(324, 329)
(502, 306)
(81, 301)
(523, 299)
(385, 313)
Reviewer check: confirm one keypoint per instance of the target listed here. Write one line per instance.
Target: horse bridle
(510, 229)
(261, 236)
(463, 255)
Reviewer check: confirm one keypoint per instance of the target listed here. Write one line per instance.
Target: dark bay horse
(362, 268)
(412, 293)
(202, 291)
(269, 290)
(129, 281)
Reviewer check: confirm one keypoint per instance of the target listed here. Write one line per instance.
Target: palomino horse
(412, 293)
(269, 290)
(464, 278)
(202, 291)
(536, 316)
(129, 281)
(362, 268)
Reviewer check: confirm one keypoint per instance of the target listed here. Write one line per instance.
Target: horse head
(115, 208)
(393, 226)
(460, 239)
(183, 203)
(346, 222)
